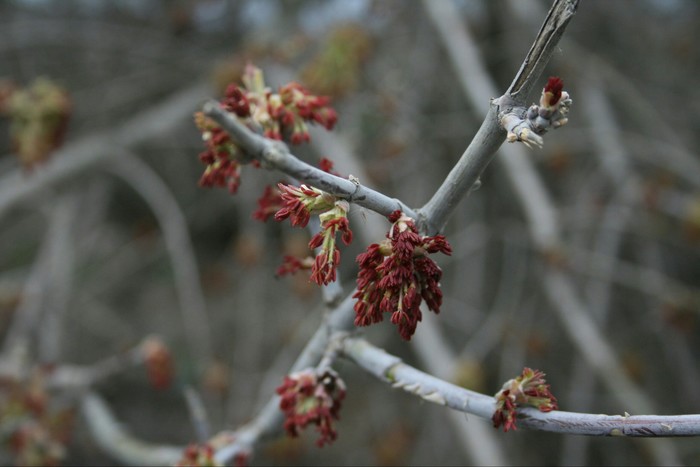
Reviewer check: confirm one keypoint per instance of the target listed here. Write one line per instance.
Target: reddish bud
(552, 91)
(528, 389)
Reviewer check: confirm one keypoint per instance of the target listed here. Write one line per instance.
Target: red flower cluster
(236, 101)
(327, 260)
(397, 275)
(277, 115)
(271, 200)
(196, 455)
(530, 388)
(326, 165)
(298, 205)
(268, 204)
(36, 426)
(292, 264)
(220, 156)
(159, 363)
(283, 114)
(295, 107)
(308, 398)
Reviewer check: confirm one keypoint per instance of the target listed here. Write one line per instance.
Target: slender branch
(122, 446)
(481, 444)
(198, 413)
(81, 377)
(29, 312)
(60, 273)
(269, 420)
(391, 369)
(544, 230)
(537, 58)
(490, 136)
(463, 176)
(276, 155)
(179, 245)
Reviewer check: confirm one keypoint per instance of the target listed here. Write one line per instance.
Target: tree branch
(478, 86)
(391, 369)
(276, 155)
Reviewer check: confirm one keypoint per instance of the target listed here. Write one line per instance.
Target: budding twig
(392, 370)
(275, 155)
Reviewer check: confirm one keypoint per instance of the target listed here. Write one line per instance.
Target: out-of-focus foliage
(39, 115)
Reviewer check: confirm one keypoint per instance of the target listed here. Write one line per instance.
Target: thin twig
(179, 245)
(120, 445)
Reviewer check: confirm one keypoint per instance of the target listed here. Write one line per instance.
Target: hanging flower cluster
(39, 115)
(221, 156)
(531, 389)
(298, 204)
(271, 200)
(327, 260)
(198, 455)
(552, 112)
(397, 275)
(308, 398)
(282, 115)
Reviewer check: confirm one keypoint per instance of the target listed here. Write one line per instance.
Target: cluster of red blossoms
(196, 455)
(220, 157)
(284, 114)
(397, 275)
(530, 389)
(308, 398)
(298, 204)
